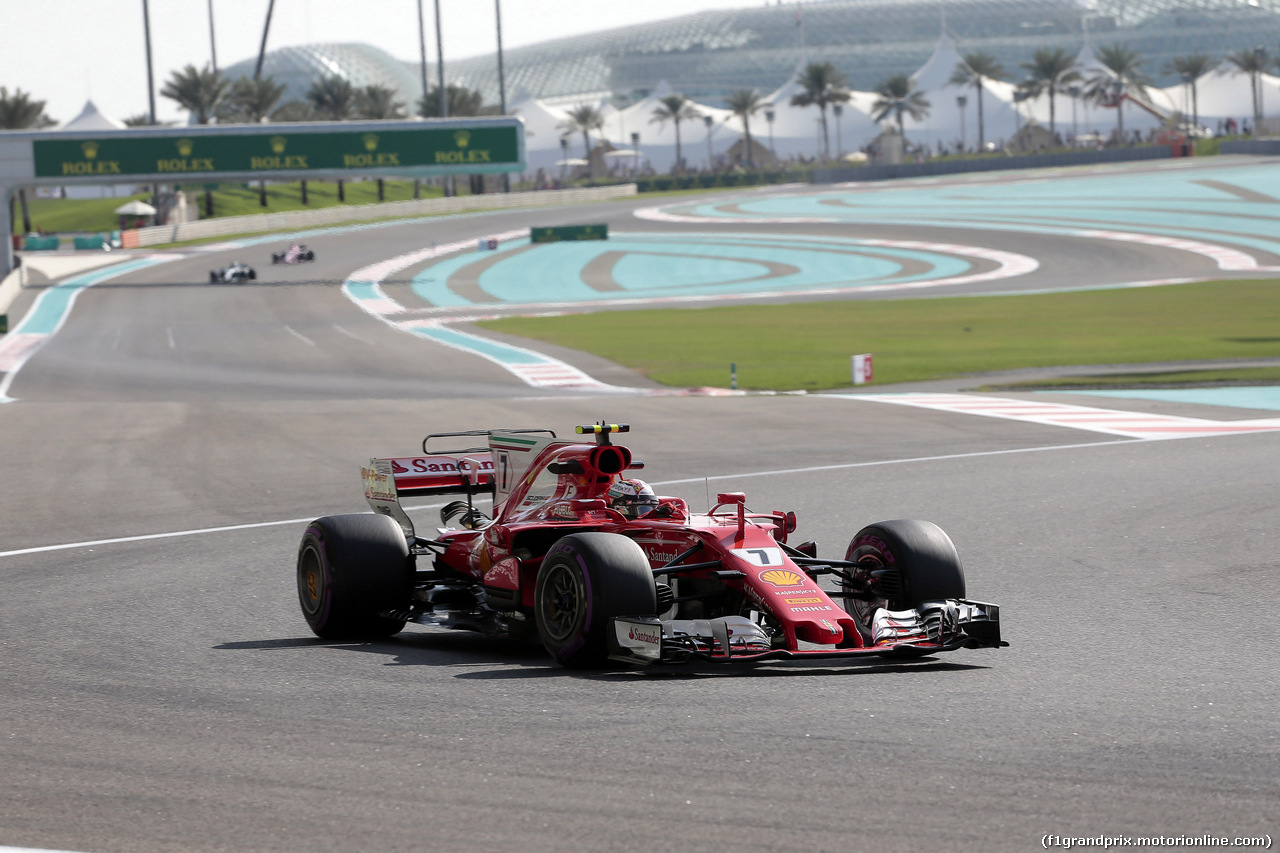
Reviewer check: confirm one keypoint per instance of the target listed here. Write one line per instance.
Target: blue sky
(65, 52)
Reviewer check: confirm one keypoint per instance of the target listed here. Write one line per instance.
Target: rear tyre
(352, 569)
(213, 277)
(585, 579)
(914, 560)
(252, 275)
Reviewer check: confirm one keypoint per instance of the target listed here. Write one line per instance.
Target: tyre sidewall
(363, 568)
(613, 578)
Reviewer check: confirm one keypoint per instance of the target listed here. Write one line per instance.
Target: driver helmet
(632, 498)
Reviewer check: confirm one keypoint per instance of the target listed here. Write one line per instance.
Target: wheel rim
(561, 602)
(861, 609)
(310, 581)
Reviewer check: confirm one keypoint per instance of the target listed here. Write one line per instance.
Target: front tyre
(586, 579)
(352, 569)
(902, 563)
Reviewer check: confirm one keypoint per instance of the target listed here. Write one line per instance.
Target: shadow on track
(528, 659)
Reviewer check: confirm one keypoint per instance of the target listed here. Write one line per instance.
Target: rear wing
(460, 471)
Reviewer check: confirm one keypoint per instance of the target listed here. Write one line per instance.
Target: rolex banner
(478, 149)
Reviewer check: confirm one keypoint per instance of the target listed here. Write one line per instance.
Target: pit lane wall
(302, 219)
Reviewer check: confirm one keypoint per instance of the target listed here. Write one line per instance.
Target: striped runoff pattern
(1142, 425)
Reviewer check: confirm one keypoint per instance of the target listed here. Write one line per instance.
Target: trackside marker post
(862, 369)
(733, 376)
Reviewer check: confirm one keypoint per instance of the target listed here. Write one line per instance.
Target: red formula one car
(604, 569)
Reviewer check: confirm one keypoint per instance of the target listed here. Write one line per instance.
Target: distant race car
(237, 271)
(295, 254)
(604, 569)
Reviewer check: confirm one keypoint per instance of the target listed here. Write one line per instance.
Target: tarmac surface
(168, 440)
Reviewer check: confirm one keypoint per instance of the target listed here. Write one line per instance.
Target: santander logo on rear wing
(441, 475)
(388, 480)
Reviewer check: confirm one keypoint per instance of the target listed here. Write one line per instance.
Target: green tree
(462, 102)
(976, 69)
(333, 97)
(675, 109)
(18, 111)
(1191, 69)
(822, 86)
(583, 119)
(897, 96)
(745, 103)
(250, 100)
(294, 111)
(199, 91)
(1251, 61)
(378, 102)
(1122, 77)
(137, 120)
(1048, 71)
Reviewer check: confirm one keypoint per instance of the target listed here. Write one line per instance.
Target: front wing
(935, 626)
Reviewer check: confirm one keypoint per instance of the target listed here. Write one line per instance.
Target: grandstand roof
(708, 54)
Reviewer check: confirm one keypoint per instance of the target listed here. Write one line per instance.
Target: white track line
(1226, 258)
(716, 477)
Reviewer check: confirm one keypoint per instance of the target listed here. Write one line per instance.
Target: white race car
(238, 271)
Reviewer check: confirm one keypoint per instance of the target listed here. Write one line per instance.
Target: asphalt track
(166, 446)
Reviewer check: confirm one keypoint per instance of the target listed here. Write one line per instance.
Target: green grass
(96, 214)
(808, 345)
(64, 215)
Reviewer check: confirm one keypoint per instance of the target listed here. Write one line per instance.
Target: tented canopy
(136, 208)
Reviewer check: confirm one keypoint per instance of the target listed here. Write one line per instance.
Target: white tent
(91, 119)
(1225, 93)
(657, 139)
(944, 122)
(543, 127)
(797, 131)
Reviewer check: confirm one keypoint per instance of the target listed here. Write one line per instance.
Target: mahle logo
(370, 141)
(90, 149)
(185, 147)
(278, 143)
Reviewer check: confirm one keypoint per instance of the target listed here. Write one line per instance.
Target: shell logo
(781, 577)
(278, 143)
(185, 147)
(370, 141)
(90, 150)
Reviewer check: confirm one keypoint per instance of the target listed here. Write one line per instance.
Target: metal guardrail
(989, 164)
(302, 219)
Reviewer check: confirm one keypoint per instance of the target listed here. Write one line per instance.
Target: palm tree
(378, 102)
(898, 96)
(675, 108)
(976, 69)
(1190, 69)
(18, 111)
(1251, 61)
(745, 103)
(583, 118)
(1123, 77)
(197, 90)
(333, 97)
(250, 100)
(462, 102)
(294, 111)
(1048, 71)
(823, 86)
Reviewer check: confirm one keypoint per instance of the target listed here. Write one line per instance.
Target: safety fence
(301, 219)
